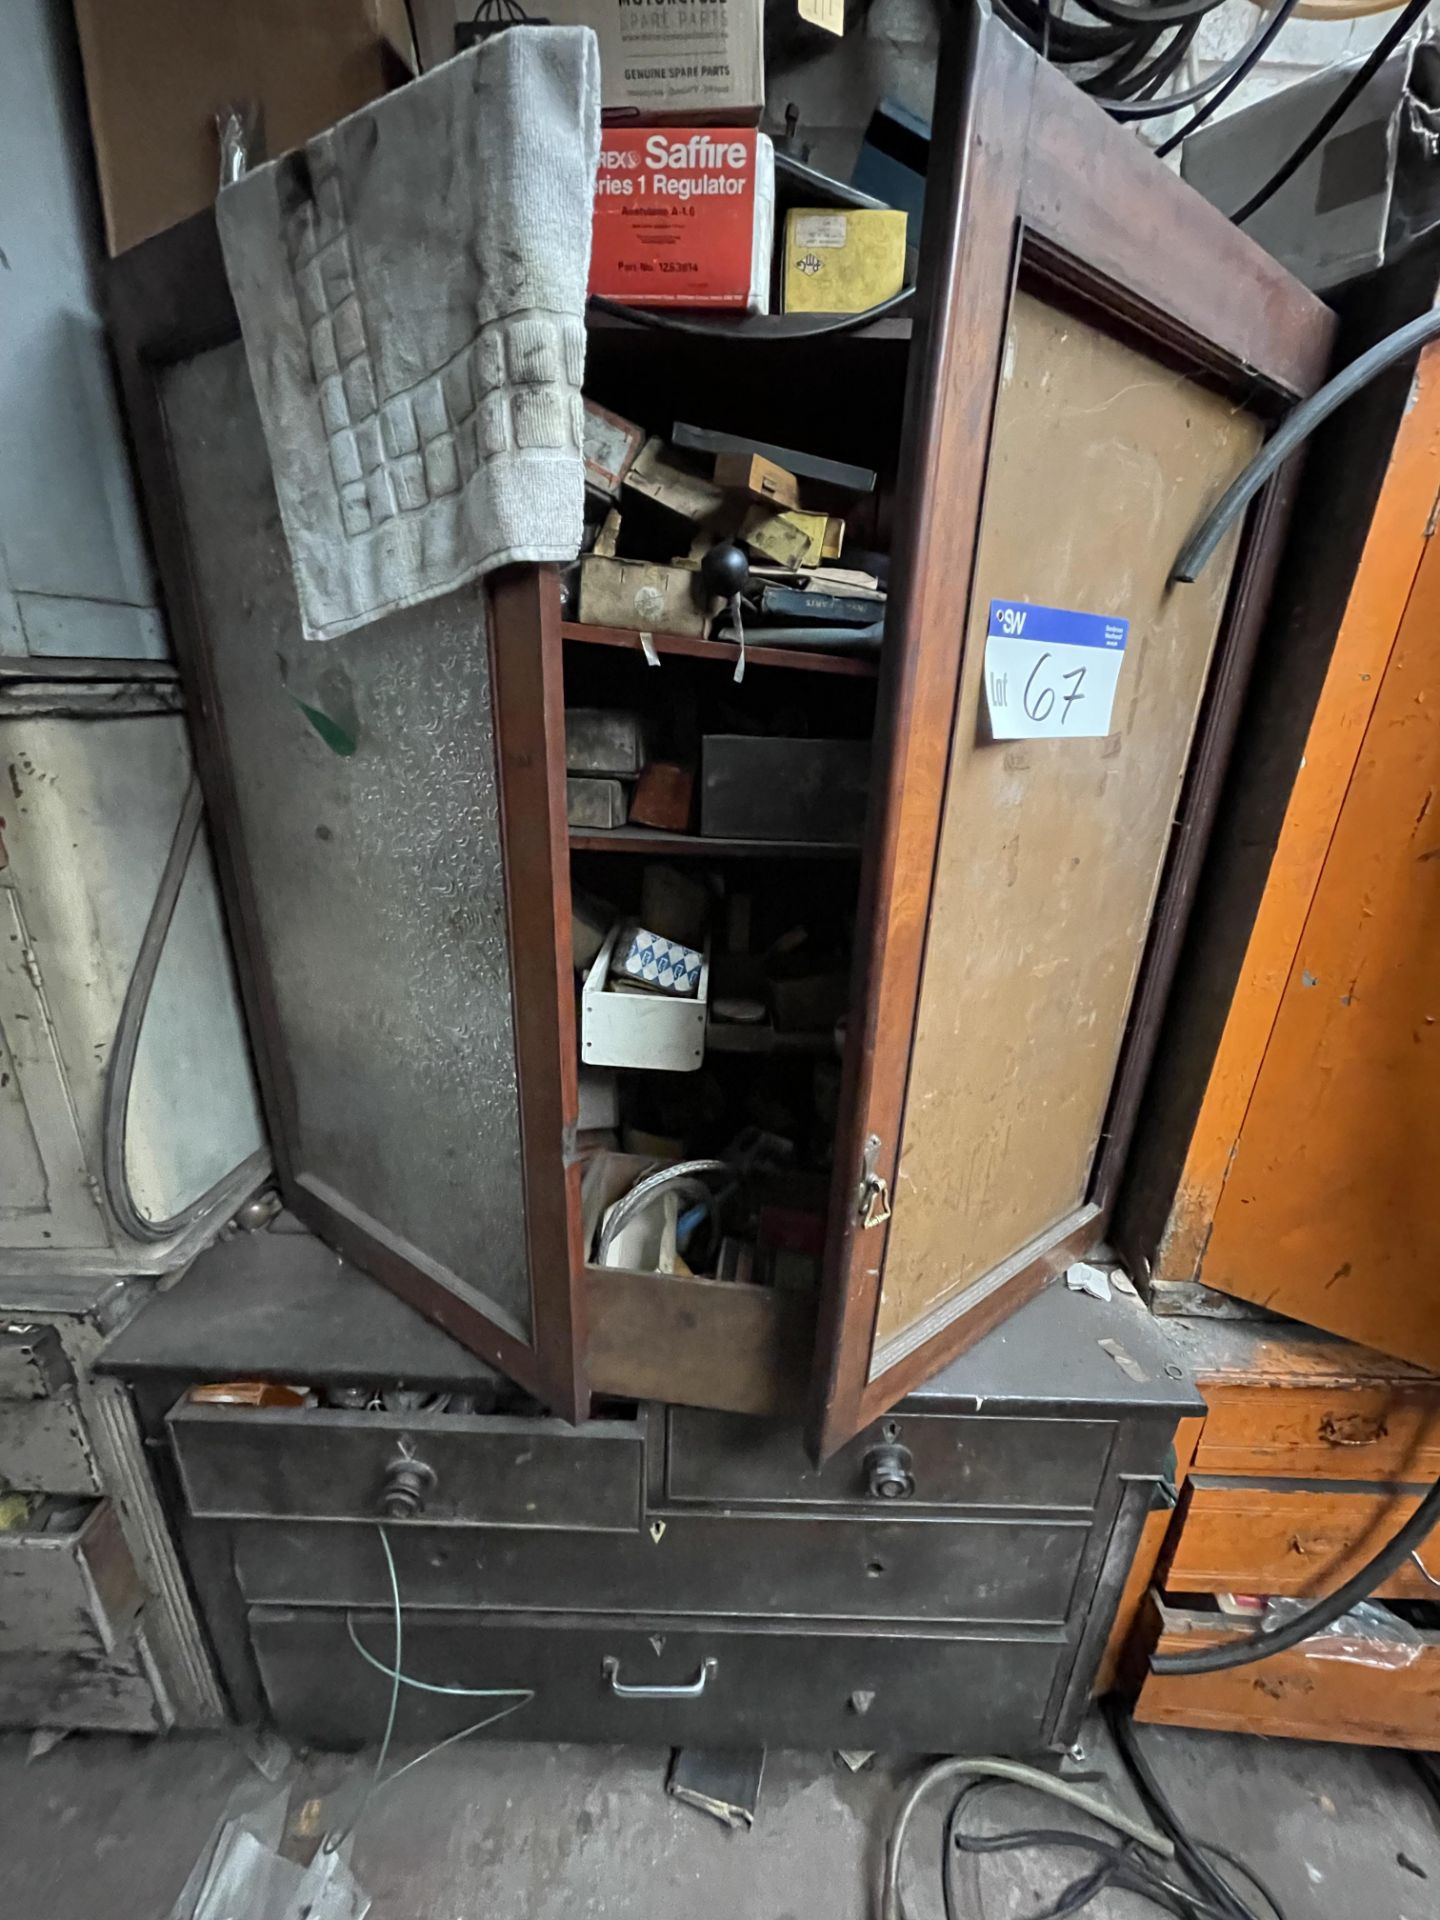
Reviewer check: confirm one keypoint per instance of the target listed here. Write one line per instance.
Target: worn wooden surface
(1032, 169)
(1291, 1537)
(1327, 1214)
(1293, 1695)
(1376, 604)
(1051, 851)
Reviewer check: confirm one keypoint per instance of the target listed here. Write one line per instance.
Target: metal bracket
(873, 1202)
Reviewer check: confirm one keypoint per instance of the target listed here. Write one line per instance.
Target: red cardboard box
(684, 217)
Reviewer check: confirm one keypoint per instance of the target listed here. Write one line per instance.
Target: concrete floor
(107, 1825)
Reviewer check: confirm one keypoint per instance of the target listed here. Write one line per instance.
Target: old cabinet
(1094, 354)
(1296, 1175)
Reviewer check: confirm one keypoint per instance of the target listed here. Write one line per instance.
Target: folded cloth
(411, 290)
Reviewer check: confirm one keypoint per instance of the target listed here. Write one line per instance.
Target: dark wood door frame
(168, 300)
(1029, 181)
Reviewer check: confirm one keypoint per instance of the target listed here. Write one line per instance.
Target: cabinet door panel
(1097, 354)
(372, 798)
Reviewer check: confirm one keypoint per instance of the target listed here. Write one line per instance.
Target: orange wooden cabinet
(1294, 1135)
(1306, 1461)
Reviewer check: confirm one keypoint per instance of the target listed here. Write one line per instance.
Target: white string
(740, 636)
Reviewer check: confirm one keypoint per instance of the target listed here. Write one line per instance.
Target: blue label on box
(1055, 626)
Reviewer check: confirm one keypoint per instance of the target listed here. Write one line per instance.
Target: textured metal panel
(371, 831)
(850, 1568)
(958, 1461)
(812, 1687)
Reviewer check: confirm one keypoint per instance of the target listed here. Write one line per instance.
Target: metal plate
(958, 1460)
(816, 1687)
(858, 1569)
(493, 1470)
(42, 1446)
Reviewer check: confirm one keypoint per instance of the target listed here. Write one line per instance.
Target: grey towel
(411, 289)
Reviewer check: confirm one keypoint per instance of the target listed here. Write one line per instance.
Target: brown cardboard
(157, 72)
(685, 62)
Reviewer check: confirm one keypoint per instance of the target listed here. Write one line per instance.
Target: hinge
(873, 1200)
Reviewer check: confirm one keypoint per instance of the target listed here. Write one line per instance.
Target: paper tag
(829, 14)
(819, 230)
(1050, 673)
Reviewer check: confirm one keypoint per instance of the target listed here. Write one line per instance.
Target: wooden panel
(1294, 1695)
(1239, 1537)
(1327, 1215)
(1343, 1432)
(697, 1343)
(1051, 852)
(1382, 584)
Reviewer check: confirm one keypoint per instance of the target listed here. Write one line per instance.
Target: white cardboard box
(686, 61)
(662, 1031)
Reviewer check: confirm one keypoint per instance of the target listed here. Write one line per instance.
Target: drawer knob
(889, 1472)
(407, 1484)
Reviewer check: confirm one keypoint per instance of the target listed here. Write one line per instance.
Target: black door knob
(889, 1472)
(408, 1483)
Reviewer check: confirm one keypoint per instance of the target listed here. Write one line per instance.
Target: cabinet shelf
(803, 659)
(655, 840)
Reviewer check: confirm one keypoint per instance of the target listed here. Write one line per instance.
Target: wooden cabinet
(1094, 354)
(1289, 1160)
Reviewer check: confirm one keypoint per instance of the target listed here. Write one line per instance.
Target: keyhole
(874, 1568)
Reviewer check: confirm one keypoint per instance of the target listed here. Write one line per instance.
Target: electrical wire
(1120, 1866)
(120, 1068)
(1336, 111)
(891, 1907)
(1298, 424)
(396, 1675)
(1251, 55)
(1190, 1852)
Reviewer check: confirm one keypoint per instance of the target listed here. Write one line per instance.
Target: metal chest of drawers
(660, 1574)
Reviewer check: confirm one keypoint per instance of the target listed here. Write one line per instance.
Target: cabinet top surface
(282, 1305)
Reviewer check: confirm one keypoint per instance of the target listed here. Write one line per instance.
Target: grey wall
(73, 573)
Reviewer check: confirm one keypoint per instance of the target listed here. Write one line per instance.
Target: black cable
(754, 326)
(1189, 1851)
(1234, 69)
(1252, 53)
(1337, 109)
(1119, 1866)
(1297, 426)
(1265, 1642)
(414, 37)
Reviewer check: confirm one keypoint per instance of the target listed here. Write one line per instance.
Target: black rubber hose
(1250, 55)
(1297, 426)
(1337, 109)
(1188, 1851)
(1260, 1645)
(120, 1068)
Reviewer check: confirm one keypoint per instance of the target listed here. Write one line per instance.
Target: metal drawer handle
(692, 1690)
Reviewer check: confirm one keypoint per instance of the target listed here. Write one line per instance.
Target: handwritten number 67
(1039, 701)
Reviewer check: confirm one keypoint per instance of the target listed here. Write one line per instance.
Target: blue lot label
(1051, 672)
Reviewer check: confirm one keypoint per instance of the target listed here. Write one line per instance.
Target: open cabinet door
(1098, 353)
(372, 800)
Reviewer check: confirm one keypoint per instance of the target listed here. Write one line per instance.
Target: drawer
(957, 1460)
(736, 1683)
(1295, 1537)
(1291, 1695)
(955, 1570)
(1331, 1431)
(452, 1469)
(42, 1445)
(71, 1590)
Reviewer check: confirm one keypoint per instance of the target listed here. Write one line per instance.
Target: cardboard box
(682, 61)
(840, 260)
(157, 73)
(684, 217)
